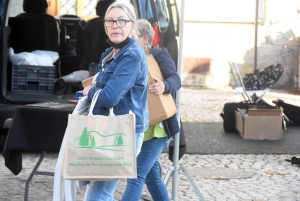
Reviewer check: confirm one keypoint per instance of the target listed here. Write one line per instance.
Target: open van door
(4, 33)
(171, 32)
(163, 15)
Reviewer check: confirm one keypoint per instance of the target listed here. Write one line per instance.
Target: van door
(171, 32)
(4, 33)
(164, 14)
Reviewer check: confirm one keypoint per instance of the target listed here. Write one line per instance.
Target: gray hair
(144, 27)
(126, 7)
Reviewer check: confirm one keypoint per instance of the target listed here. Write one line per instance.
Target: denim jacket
(124, 83)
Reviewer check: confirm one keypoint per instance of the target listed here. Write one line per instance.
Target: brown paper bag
(100, 147)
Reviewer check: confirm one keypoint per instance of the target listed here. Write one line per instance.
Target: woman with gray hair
(123, 81)
(158, 136)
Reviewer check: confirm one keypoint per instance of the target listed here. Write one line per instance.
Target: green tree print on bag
(87, 140)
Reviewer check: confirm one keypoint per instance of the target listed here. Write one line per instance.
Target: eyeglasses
(120, 22)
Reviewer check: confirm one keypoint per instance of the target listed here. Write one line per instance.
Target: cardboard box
(162, 106)
(259, 124)
(87, 81)
(263, 110)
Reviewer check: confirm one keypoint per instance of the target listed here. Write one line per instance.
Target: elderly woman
(158, 136)
(123, 78)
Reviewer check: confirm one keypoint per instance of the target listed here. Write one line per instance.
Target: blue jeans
(148, 172)
(104, 190)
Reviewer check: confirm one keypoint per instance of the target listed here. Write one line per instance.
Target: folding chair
(249, 96)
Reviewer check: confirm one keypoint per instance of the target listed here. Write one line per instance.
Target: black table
(35, 128)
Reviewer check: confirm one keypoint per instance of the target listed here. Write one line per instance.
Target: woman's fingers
(158, 87)
(86, 90)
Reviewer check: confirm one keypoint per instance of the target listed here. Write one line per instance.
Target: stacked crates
(27, 78)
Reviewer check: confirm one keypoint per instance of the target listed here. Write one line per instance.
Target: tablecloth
(35, 128)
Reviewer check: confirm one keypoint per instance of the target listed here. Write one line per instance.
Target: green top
(156, 130)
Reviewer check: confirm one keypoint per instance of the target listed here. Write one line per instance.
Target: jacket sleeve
(167, 66)
(123, 78)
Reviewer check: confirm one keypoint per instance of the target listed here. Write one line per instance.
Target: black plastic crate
(93, 69)
(26, 78)
(32, 85)
(36, 72)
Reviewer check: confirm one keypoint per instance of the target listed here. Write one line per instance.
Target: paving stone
(282, 185)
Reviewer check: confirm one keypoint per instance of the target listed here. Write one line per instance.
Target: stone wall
(214, 43)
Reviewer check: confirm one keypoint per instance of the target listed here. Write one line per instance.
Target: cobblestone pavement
(218, 177)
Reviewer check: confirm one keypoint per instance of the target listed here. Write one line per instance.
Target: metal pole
(255, 35)
(177, 137)
(175, 168)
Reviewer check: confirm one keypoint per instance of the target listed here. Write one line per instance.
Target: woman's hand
(158, 87)
(87, 89)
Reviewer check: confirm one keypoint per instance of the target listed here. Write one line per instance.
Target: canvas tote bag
(100, 147)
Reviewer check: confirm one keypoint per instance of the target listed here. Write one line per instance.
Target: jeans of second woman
(104, 190)
(148, 172)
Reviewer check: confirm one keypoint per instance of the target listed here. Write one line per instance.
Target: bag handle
(93, 103)
(111, 112)
(94, 100)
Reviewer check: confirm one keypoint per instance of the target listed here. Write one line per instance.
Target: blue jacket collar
(122, 50)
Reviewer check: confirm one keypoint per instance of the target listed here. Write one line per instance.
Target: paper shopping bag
(100, 147)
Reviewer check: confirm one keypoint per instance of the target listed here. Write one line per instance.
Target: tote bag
(100, 147)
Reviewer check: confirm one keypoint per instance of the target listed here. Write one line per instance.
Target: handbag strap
(111, 112)
(94, 100)
(93, 103)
